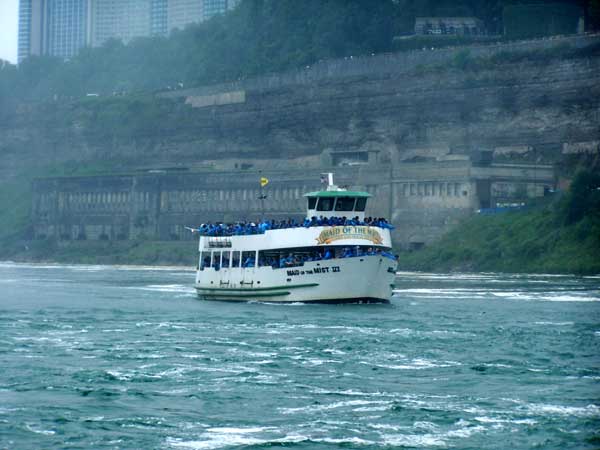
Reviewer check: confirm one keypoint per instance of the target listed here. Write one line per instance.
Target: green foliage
(258, 37)
(560, 237)
(462, 59)
(531, 20)
(15, 201)
(584, 198)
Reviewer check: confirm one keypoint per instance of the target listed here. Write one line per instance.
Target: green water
(128, 358)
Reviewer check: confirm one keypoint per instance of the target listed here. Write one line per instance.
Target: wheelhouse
(337, 203)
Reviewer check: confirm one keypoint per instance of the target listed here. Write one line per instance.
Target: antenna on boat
(327, 178)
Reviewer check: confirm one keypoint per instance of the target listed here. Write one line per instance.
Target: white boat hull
(367, 279)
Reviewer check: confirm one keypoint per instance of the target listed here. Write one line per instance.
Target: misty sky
(8, 29)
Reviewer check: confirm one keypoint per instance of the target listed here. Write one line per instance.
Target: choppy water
(105, 357)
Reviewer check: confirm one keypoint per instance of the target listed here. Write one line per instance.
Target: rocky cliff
(380, 110)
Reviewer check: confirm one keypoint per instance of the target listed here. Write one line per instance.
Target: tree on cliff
(259, 36)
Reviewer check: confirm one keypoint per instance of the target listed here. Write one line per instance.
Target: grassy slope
(533, 241)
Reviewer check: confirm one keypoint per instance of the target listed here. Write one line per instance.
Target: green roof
(338, 194)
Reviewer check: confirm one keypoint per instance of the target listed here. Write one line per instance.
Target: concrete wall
(382, 64)
(422, 200)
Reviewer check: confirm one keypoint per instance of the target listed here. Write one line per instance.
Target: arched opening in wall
(483, 189)
(412, 246)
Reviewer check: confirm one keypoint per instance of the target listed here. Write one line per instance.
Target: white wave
(578, 411)
(232, 430)
(415, 364)
(465, 432)
(149, 356)
(120, 375)
(557, 324)
(413, 440)
(220, 437)
(330, 406)
(93, 419)
(350, 393)
(448, 276)
(213, 442)
(371, 408)
(179, 288)
(345, 441)
(37, 430)
(385, 426)
(193, 356)
(444, 291)
(334, 351)
(571, 298)
(218, 441)
(549, 296)
(262, 362)
(496, 420)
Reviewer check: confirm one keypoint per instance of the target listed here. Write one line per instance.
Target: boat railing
(244, 229)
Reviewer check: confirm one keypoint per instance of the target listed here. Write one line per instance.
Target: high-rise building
(183, 12)
(66, 27)
(159, 17)
(119, 19)
(214, 7)
(62, 27)
(52, 27)
(25, 30)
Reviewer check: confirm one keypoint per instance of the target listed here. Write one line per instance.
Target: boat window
(205, 263)
(361, 204)
(235, 259)
(216, 260)
(312, 202)
(325, 204)
(248, 259)
(225, 259)
(344, 204)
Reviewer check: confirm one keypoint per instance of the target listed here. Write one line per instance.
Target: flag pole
(262, 202)
(263, 182)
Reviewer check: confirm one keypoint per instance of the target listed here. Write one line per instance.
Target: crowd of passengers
(294, 260)
(247, 228)
(347, 252)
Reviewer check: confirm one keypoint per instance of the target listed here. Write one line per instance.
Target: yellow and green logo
(349, 232)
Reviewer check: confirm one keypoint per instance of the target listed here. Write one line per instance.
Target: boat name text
(349, 232)
(316, 270)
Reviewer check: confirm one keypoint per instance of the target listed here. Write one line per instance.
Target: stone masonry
(423, 200)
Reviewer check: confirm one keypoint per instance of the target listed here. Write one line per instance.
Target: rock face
(377, 110)
(433, 134)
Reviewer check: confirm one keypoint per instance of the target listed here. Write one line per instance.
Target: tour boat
(335, 256)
